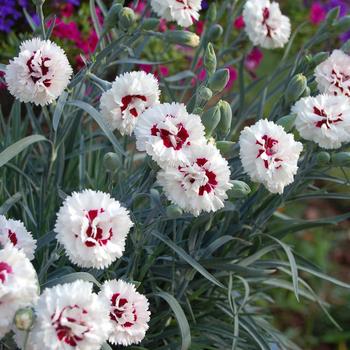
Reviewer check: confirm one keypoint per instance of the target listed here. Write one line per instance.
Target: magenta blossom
(239, 23)
(253, 60)
(317, 13)
(233, 77)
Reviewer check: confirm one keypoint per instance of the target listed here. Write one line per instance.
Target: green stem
(39, 10)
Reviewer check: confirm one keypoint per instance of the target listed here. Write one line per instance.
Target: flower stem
(39, 10)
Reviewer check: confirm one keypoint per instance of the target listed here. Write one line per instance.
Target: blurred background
(326, 247)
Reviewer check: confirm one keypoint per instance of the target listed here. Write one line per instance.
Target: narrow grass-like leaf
(6, 206)
(16, 148)
(100, 121)
(180, 317)
(59, 110)
(188, 259)
(85, 276)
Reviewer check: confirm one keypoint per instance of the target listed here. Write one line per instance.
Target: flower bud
(239, 190)
(323, 158)
(210, 60)
(126, 18)
(341, 159)
(119, 2)
(319, 58)
(332, 15)
(226, 148)
(204, 93)
(226, 117)
(296, 88)
(212, 13)
(24, 319)
(219, 80)
(182, 37)
(215, 32)
(287, 122)
(150, 24)
(211, 119)
(198, 110)
(112, 16)
(112, 161)
(342, 25)
(173, 211)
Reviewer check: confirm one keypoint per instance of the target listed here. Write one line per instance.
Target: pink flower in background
(317, 13)
(253, 60)
(162, 71)
(67, 10)
(239, 23)
(162, 25)
(199, 27)
(233, 77)
(140, 6)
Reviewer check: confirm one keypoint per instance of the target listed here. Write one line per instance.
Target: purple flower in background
(204, 5)
(74, 2)
(8, 14)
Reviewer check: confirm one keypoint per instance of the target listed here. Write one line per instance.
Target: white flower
(269, 155)
(40, 72)
(333, 74)
(200, 184)
(69, 316)
(166, 131)
(130, 95)
(181, 11)
(14, 232)
(18, 285)
(265, 24)
(324, 119)
(92, 227)
(128, 312)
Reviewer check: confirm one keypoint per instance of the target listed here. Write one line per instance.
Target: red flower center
(341, 81)
(172, 140)
(37, 71)
(186, 6)
(5, 269)
(127, 100)
(210, 177)
(267, 151)
(325, 119)
(94, 232)
(12, 237)
(69, 325)
(122, 312)
(266, 16)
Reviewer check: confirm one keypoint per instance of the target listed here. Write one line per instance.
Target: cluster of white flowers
(184, 12)
(194, 175)
(40, 72)
(265, 25)
(71, 316)
(325, 119)
(19, 286)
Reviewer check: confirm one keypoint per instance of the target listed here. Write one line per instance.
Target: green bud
(126, 18)
(173, 211)
(112, 16)
(112, 161)
(219, 80)
(306, 92)
(342, 25)
(341, 159)
(226, 148)
(226, 117)
(323, 158)
(215, 32)
(204, 93)
(210, 60)
(211, 119)
(212, 13)
(313, 87)
(319, 58)
(239, 190)
(296, 88)
(150, 24)
(287, 122)
(24, 319)
(119, 2)
(332, 15)
(182, 37)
